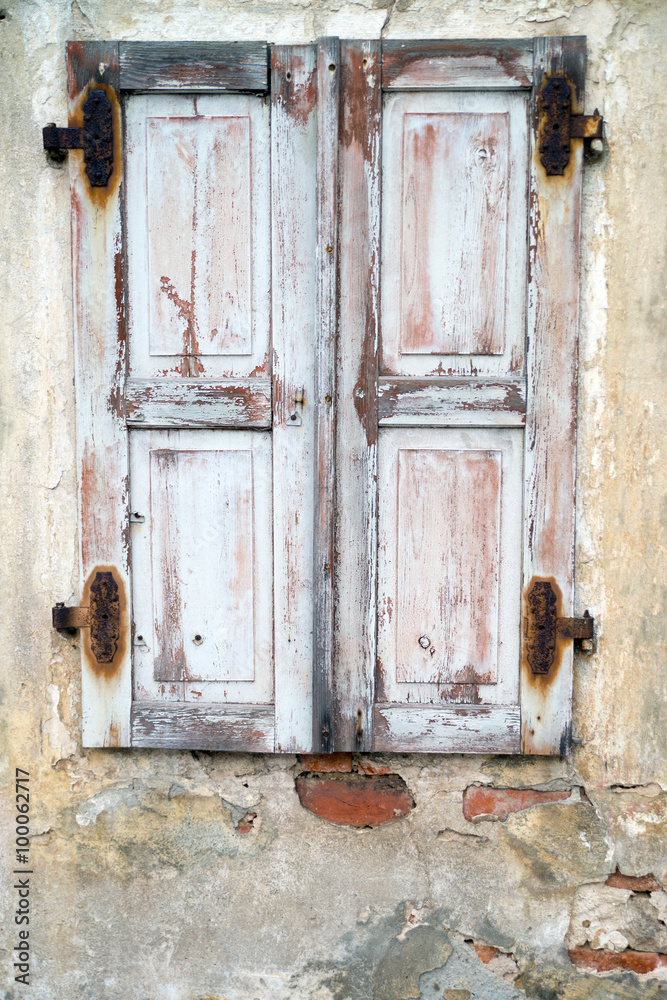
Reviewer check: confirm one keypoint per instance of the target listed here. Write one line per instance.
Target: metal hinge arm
(56, 139)
(70, 619)
(576, 628)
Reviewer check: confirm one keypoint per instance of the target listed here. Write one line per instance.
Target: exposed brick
(368, 767)
(497, 803)
(486, 952)
(326, 761)
(245, 825)
(637, 883)
(355, 799)
(640, 962)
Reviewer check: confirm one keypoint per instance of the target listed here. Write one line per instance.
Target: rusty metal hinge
(558, 125)
(102, 617)
(543, 626)
(95, 138)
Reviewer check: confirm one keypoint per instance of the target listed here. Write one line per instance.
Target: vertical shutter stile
(357, 429)
(550, 441)
(293, 137)
(325, 404)
(100, 359)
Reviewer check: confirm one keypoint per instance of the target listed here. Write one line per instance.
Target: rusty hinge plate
(102, 617)
(543, 626)
(95, 138)
(558, 125)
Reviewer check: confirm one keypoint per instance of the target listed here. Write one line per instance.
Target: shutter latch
(95, 138)
(543, 626)
(102, 617)
(558, 125)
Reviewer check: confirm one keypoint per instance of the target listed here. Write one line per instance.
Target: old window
(325, 329)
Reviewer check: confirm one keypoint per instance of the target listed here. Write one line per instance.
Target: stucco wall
(144, 886)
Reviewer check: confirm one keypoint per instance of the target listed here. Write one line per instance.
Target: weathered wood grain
(448, 541)
(325, 402)
(454, 232)
(444, 729)
(549, 498)
(198, 235)
(203, 564)
(195, 402)
(248, 728)
(201, 512)
(449, 402)
(454, 223)
(100, 358)
(193, 66)
(294, 228)
(465, 64)
(355, 567)
(449, 564)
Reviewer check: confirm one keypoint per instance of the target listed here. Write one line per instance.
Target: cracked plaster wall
(150, 877)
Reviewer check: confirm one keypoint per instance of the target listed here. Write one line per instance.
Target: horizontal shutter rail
(203, 727)
(488, 65)
(207, 66)
(443, 729)
(194, 402)
(451, 402)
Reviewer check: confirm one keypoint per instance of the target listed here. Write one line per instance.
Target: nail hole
(327, 399)
(332, 66)
(365, 63)
(140, 638)
(329, 249)
(288, 75)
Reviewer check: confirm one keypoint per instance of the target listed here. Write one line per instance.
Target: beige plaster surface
(142, 886)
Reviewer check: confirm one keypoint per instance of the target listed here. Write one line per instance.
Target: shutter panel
(191, 477)
(475, 394)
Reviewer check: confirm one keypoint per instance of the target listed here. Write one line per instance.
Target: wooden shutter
(459, 270)
(325, 334)
(195, 305)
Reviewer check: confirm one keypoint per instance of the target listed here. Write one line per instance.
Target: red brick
(486, 952)
(498, 803)
(367, 767)
(640, 962)
(245, 825)
(355, 799)
(326, 761)
(637, 883)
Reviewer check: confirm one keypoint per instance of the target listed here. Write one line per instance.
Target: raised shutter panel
(467, 513)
